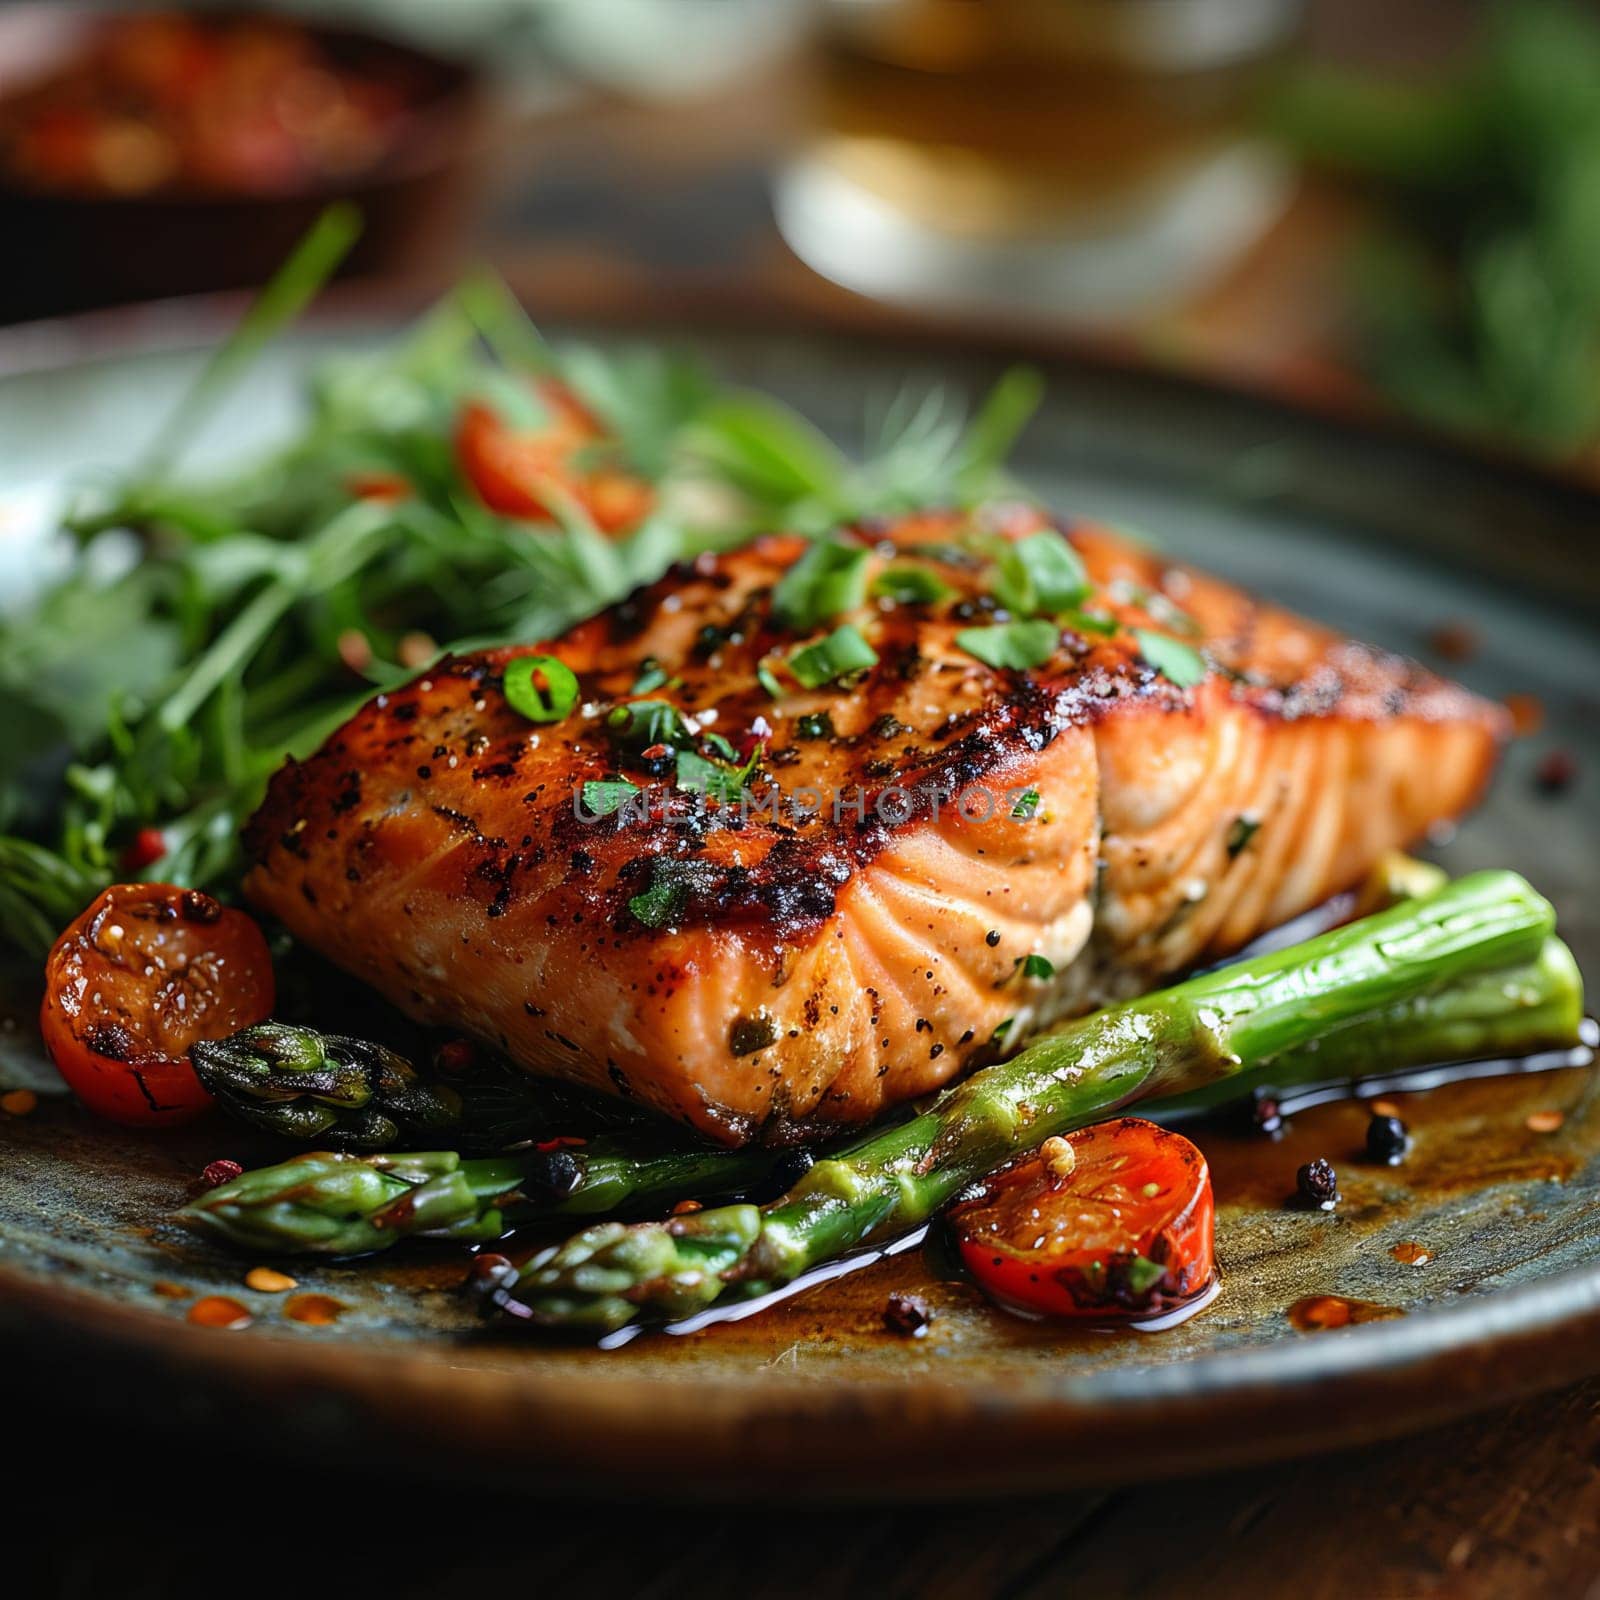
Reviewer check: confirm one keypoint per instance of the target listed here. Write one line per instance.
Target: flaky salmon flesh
(897, 871)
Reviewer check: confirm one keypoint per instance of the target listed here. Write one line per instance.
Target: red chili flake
(760, 732)
(219, 1311)
(218, 1173)
(655, 752)
(146, 847)
(565, 1142)
(1527, 714)
(1455, 641)
(315, 1310)
(684, 1208)
(455, 1055)
(268, 1280)
(1556, 771)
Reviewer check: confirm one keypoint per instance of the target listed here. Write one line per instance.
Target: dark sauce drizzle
(1330, 914)
(1580, 1055)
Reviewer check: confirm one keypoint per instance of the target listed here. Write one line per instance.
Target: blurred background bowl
(76, 245)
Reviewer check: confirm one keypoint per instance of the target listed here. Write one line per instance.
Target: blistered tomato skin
(1121, 1223)
(142, 974)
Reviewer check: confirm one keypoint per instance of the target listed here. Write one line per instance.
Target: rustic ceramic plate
(1467, 1276)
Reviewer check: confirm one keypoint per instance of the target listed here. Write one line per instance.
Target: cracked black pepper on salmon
(777, 975)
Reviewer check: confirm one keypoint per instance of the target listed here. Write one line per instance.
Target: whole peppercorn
(907, 1315)
(552, 1175)
(1387, 1139)
(198, 907)
(1266, 1115)
(1318, 1185)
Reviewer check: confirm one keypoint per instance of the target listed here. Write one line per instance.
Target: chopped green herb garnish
(1096, 622)
(721, 747)
(714, 779)
(999, 1034)
(541, 688)
(651, 676)
(1038, 967)
(1041, 574)
(1027, 805)
(768, 680)
(269, 601)
(658, 904)
(828, 579)
(814, 725)
(1011, 646)
(1176, 662)
(1244, 829)
(843, 654)
(638, 724)
(911, 586)
(603, 798)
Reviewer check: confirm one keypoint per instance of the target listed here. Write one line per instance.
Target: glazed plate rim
(575, 1433)
(948, 1435)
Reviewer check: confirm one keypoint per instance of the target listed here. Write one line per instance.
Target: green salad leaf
(209, 625)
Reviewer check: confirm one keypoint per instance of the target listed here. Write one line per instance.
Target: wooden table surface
(1502, 1508)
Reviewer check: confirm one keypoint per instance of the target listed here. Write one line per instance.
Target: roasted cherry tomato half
(513, 470)
(146, 971)
(1113, 1220)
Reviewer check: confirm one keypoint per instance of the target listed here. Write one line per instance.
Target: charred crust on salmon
(617, 891)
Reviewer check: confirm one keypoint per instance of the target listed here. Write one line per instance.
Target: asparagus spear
(344, 1205)
(340, 1093)
(355, 1205)
(306, 1085)
(334, 1092)
(1501, 1013)
(1198, 1033)
(330, 1203)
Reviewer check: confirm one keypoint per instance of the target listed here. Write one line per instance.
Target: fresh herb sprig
(207, 628)
(1478, 301)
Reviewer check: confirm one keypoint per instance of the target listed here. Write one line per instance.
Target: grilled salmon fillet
(927, 857)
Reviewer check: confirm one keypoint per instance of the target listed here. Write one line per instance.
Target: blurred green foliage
(1479, 303)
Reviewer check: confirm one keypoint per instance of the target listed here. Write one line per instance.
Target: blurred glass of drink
(1078, 159)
